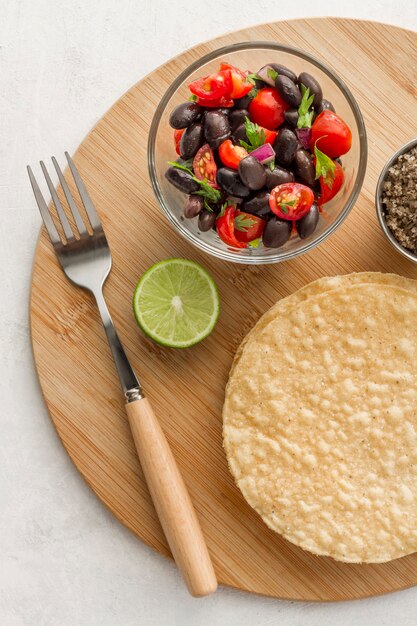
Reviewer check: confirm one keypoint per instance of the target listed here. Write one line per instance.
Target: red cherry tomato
(225, 226)
(230, 154)
(268, 108)
(213, 87)
(291, 201)
(248, 227)
(216, 104)
(328, 192)
(240, 87)
(270, 136)
(177, 138)
(330, 134)
(204, 165)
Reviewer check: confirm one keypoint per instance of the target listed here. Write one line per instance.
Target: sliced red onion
(264, 154)
(264, 75)
(304, 137)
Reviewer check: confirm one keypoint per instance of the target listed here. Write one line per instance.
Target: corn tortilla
(320, 420)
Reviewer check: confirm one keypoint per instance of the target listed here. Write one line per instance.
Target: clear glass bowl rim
(225, 254)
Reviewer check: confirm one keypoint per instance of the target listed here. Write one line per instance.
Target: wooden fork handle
(171, 499)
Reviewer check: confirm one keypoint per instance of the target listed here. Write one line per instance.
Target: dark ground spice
(399, 197)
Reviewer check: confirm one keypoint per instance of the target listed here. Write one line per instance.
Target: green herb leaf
(252, 78)
(325, 167)
(186, 166)
(255, 135)
(209, 193)
(271, 165)
(192, 98)
(255, 243)
(253, 92)
(284, 206)
(244, 222)
(305, 116)
(223, 209)
(272, 73)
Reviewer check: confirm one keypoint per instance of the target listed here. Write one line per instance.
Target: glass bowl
(252, 56)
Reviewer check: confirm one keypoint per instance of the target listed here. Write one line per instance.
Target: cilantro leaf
(252, 78)
(209, 193)
(284, 206)
(192, 98)
(255, 243)
(325, 167)
(255, 135)
(253, 92)
(186, 166)
(223, 209)
(271, 165)
(244, 222)
(305, 116)
(272, 73)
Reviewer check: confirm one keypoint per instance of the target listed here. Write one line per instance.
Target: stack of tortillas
(320, 417)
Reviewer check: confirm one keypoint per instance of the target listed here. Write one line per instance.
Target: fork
(86, 261)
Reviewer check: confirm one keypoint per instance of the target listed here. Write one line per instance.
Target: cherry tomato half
(270, 136)
(331, 134)
(213, 87)
(328, 192)
(225, 226)
(240, 86)
(177, 138)
(291, 201)
(216, 104)
(268, 108)
(204, 165)
(248, 227)
(230, 154)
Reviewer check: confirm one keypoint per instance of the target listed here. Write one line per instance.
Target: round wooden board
(75, 368)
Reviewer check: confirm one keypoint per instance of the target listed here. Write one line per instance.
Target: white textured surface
(64, 560)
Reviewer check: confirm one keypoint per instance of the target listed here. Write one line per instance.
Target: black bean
(229, 180)
(291, 117)
(223, 111)
(285, 146)
(307, 224)
(206, 220)
(237, 117)
(281, 70)
(278, 176)
(304, 167)
(276, 232)
(193, 206)
(325, 105)
(288, 90)
(252, 173)
(240, 134)
(216, 128)
(192, 139)
(259, 204)
(310, 82)
(181, 180)
(243, 103)
(184, 114)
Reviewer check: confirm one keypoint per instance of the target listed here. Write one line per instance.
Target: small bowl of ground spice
(396, 200)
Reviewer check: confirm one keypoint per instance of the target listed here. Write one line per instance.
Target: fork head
(84, 256)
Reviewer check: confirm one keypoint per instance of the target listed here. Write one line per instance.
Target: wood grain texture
(186, 387)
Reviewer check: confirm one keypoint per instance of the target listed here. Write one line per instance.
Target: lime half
(176, 303)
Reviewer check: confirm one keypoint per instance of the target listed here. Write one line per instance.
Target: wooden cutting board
(76, 372)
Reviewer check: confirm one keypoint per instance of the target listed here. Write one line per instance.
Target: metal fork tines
(84, 256)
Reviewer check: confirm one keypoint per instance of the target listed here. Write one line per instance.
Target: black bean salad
(258, 154)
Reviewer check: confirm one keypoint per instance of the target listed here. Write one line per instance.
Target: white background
(64, 560)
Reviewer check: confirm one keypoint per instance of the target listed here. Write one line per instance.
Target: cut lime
(176, 303)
